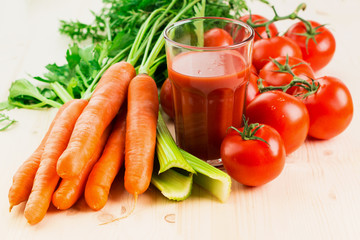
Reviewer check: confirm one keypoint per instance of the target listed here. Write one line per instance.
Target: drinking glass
(208, 60)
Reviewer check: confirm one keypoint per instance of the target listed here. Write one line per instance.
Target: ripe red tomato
(249, 167)
(265, 49)
(253, 69)
(287, 114)
(270, 72)
(217, 37)
(330, 108)
(319, 52)
(260, 32)
(252, 89)
(166, 99)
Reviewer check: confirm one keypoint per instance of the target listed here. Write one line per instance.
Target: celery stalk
(167, 151)
(173, 185)
(177, 186)
(217, 182)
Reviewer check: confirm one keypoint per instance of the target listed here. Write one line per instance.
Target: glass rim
(189, 47)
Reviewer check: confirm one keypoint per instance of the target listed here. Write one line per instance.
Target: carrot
(143, 106)
(105, 170)
(24, 177)
(71, 189)
(103, 106)
(46, 177)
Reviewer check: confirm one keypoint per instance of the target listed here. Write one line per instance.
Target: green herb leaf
(23, 93)
(118, 21)
(121, 41)
(72, 56)
(5, 122)
(6, 105)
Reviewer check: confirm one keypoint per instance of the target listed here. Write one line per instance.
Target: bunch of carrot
(88, 141)
(84, 147)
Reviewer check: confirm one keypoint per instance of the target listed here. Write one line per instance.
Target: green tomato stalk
(310, 31)
(310, 88)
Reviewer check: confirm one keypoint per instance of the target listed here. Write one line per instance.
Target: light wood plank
(316, 197)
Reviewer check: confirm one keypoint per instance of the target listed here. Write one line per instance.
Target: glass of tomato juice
(208, 61)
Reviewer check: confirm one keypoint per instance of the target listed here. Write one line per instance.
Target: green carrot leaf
(23, 93)
(72, 56)
(121, 41)
(5, 122)
(6, 105)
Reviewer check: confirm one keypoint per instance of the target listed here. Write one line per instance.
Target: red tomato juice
(209, 93)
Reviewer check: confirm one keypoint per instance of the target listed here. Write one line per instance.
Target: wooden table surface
(317, 196)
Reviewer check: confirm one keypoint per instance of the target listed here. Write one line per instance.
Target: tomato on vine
(252, 89)
(265, 49)
(260, 32)
(316, 42)
(217, 37)
(328, 101)
(330, 107)
(281, 71)
(166, 99)
(253, 69)
(286, 113)
(249, 167)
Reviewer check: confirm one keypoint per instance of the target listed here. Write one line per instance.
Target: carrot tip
(126, 215)
(10, 208)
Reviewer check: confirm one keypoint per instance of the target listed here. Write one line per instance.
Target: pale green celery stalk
(61, 92)
(167, 151)
(173, 185)
(217, 182)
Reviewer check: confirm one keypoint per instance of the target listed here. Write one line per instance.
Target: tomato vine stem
(311, 88)
(310, 31)
(249, 131)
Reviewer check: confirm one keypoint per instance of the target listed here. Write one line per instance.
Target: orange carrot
(103, 106)
(71, 189)
(24, 177)
(143, 107)
(46, 177)
(105, 170)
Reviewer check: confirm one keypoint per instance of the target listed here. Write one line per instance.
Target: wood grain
(317, 195)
